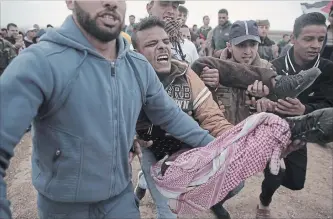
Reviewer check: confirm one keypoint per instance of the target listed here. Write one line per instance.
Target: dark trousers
(293, 177)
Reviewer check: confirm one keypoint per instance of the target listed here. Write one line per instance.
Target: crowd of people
(203, 108)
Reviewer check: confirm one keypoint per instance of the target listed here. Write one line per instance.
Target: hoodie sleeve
(23, 88)
(162, 110)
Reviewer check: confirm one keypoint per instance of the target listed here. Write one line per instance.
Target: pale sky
(280, 13)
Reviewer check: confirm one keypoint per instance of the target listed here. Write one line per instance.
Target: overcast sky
(280, 13)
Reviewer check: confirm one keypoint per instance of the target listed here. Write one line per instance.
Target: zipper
(116, 128)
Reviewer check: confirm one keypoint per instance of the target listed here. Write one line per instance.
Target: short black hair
(144, 24)
(314, 18)
(11, 25)
(223, 11)
(284, 35)
(4, 29)
(49, 25)
(132, 15)
(184, 26)
(182, 9)
(205, 17)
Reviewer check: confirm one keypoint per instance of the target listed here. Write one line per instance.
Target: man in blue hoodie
(83, 89)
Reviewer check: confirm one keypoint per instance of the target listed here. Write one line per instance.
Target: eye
(166, 42)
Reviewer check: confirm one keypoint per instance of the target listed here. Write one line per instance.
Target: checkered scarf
(199, 178)
(172, 27)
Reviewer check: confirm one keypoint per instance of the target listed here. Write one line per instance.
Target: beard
(89, 24)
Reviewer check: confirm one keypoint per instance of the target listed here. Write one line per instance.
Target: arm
(323, 93)
(23, 88)
(163, 111)
(238, 75)
(206, 110)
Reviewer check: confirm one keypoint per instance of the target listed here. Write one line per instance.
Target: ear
(229, 47)
(70, 4)
(292, 38)
(149, 6)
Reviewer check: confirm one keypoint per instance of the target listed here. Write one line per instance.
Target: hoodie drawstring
(66, 91)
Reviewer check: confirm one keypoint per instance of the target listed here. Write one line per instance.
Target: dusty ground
(315, 201)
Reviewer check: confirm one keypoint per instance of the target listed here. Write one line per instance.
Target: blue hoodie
(84, 110)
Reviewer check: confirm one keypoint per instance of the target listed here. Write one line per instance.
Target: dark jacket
(320, 94)
(265, 49)
(220, 37)
(7, 54)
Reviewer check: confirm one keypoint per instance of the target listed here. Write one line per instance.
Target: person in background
(131, 27)
(308, 38)
(4, 32)
(40, 33)
(185, 31)
(126, 36)
(15, 38)
(200, 44)
(49, 26)
(182, 14)
(36, 27)
(30, 35)
(283, 42)
(194, 28)
(266, 47)
(220, 33)
(12, 33)
(183, 49)
(203, 31)
(7, 53)
(328, 50)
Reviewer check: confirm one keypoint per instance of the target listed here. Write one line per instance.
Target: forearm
(235, 75)
(310, 107)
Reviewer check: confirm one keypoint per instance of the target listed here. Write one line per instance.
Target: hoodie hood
(70, 35)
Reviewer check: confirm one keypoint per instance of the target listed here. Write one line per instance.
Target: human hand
(137, 144)
(290, 106)
(210, 77)
(262, 105)
(258, 89)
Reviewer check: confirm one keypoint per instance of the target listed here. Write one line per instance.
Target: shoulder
(265, 64)
(278, 64)
(326, 66)
(137, 57)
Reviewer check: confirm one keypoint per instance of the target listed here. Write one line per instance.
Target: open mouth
(162, 58)
(108, 19)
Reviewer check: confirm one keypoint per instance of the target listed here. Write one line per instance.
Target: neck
(206, 25)
(107, 50)
(298, 60)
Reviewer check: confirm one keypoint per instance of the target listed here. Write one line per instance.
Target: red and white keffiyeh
(201, 177)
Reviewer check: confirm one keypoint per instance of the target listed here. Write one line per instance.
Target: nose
(170, 10)
(247, 49)
(161, 46)
(316, 44)
(110, 4)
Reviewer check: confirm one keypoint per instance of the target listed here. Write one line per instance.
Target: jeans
(161, 202)
(121, 206)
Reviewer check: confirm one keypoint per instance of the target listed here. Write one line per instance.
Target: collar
(292, 67)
